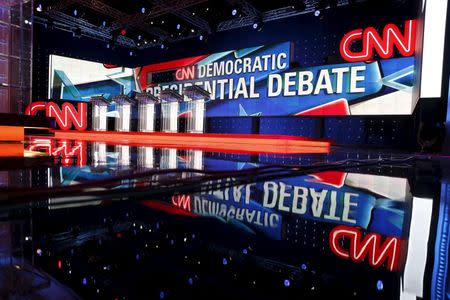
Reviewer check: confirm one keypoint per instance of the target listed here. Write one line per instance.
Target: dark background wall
(316, 40)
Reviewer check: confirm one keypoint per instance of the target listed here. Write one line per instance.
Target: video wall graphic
(79, 80)
(376, 78)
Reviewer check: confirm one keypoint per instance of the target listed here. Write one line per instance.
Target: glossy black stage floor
(99, 221)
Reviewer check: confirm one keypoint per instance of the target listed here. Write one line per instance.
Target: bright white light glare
(416, 258)
(433, 48)
(317, 13)
(39, 8)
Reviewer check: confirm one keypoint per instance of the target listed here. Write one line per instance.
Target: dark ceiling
(149, 23)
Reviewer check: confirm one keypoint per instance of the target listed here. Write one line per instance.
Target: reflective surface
(97, 221)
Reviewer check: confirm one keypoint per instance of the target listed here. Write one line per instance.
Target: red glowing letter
(68, 115)
(369, 247)
(384, 46)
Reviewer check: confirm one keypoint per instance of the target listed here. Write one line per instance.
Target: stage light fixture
(75, 12)
(257, 25)
(76, 33)
(163, 46)
(234, 12)
(49, 25)
(317, 13)
(123, 32)
(108, 46)
(131, 53)
(145, 42)
(39, 7)
(143, 10)
(104, 23)
(139, 37)
(192, 30)
(200, 37)
(178, 26)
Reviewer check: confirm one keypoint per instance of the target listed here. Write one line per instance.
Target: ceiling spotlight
(123, 31)
(131, 53)
(145, 42)
(39, 8)
(234, 12)
(75, 12)
(317, 13)
(143, 10)
(200, 37)
(163, 46)
(257, 25)
(104, 23)
(139, 37)
(178, 26)
(192, 30)
(108, 46)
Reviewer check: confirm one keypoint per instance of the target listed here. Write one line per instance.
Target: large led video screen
(374, 75)
(79, 80)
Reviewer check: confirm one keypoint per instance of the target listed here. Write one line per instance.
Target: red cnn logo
(369, 247)
(384, 46)
(185, 73)
(65, 117)
(182, 201)
(67, 150)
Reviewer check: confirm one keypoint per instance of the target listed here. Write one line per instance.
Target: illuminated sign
(384, 46)
(66, 116)
(182, 201)
(68, 152)
(369, 247)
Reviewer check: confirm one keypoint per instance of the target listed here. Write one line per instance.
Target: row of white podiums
(194, 97)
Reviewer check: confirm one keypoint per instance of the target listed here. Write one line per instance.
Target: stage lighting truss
(140, 21)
